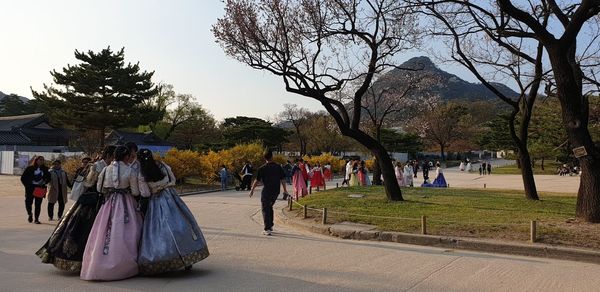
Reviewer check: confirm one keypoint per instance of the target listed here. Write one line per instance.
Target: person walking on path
(489, 168)
(484, 168)
(34, 179)
(271, 176)
(57, 191)
(300, 190)
(223, 173)
(247, 171)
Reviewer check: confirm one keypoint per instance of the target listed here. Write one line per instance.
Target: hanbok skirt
(112, 249)
(353, 180)
(64, 249)
(300, 189)
(400, 179)
(327, 174)
(317, 180)
(171, 238)
(440, 181)
(408, 179)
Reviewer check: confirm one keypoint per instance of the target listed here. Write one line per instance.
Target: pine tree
(100, 93)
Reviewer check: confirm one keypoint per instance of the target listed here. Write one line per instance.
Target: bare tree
(389, 101)
(299, 119)
(319, 46)
(475, 45)
(568, 32)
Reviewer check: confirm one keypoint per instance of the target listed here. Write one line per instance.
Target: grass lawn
(496, 214)
(549, 168)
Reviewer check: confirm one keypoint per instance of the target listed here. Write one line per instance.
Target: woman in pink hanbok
(111, 251)
(298, 181)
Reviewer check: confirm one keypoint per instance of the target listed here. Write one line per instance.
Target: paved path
(291, 260)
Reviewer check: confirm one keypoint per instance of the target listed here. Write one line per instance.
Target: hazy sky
(172, 38)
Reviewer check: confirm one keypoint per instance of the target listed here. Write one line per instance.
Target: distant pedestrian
(348, 172)
(415, 165)
(34, 179)
(57, 191)
(483, 167)
(223, 173)
(489, 168)
(480, 170)
(271, 176)
(247, 171)
(287, 169)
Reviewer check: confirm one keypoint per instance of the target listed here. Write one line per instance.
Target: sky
(172, 38)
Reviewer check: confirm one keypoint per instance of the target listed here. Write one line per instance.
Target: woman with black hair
(112, 247)
(64, 249)
(171, 238)
(34, 179)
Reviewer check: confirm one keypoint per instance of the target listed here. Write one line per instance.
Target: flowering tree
(318, 47)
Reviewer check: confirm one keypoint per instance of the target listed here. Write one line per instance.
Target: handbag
(39, 192)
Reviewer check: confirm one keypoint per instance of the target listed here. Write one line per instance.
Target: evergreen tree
(99, 93)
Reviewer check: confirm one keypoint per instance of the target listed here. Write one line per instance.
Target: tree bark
(392, 189)
(527, 175)
(442, 148)
(575, 115)
(377, 173)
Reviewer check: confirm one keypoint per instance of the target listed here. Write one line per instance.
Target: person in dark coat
(36, 175)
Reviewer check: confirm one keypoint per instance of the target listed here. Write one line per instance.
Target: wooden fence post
(290, 203)
(533, 235)
(423, 224)
(324, 216)
(305, 211)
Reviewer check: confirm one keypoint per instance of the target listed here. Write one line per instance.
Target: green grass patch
(498, 214)
(549, 168)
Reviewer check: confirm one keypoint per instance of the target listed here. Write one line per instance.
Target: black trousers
(29, 199)
(267, 210)
(61, 207)
(246, 182)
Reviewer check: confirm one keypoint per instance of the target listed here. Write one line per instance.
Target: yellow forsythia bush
(370, 164)
(326, 158)
(210, 163)
(70, 165)
(184, 163)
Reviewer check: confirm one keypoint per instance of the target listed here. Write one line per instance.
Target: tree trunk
(392, 189)
(442, 148)
(377, 173)
(542, 163)
(575, 115)
(527, 175)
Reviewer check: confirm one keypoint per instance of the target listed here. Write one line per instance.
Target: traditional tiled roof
(148, 138)
(13, 138)
(14, 122)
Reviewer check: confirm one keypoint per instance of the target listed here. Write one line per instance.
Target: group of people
(357, 173)
(305, 176)
(127, 218)
(485, 168)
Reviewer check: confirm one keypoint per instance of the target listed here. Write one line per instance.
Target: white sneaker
(266, 232)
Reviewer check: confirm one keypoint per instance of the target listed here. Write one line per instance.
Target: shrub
(184, 163)
(337, 165)
(70, 165)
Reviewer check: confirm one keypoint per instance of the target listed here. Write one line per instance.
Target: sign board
(580, 152)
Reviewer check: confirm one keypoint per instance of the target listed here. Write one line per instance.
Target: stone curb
(522, 249)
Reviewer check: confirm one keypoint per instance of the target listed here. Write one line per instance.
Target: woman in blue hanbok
(440, 181)
(171, 239)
